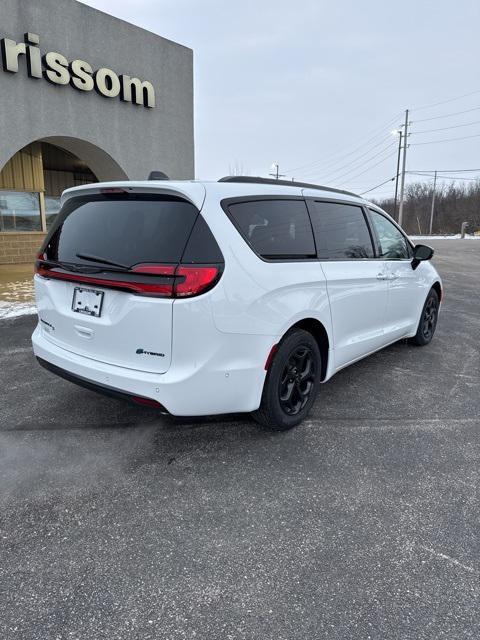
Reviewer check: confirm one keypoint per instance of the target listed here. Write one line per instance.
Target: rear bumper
(230, 381)
(95, 386)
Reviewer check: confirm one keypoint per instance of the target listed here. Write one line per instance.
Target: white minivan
(241, 295)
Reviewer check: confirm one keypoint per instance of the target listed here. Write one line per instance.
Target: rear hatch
(109, 271)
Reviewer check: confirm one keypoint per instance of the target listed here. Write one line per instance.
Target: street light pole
(433, 202)
(277, 173)
(402, 184)
(397, 173)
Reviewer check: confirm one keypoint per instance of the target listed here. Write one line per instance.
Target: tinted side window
(392, 243)
(341, 232)
(275, 228)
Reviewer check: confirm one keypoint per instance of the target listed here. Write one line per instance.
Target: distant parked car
(241, 295)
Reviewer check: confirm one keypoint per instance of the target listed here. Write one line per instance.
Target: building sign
(55, 68)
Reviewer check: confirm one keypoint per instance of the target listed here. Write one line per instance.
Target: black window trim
(225, 204)
(377, 245)
(309, 200)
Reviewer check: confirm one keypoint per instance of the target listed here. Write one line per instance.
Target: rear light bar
(182, 281)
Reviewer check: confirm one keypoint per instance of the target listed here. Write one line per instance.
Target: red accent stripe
(273, 351)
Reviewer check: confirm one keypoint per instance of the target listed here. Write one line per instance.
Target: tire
(292, 382)
(428, 320)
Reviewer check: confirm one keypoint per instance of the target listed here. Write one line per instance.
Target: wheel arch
(318, 331)
(437, 287)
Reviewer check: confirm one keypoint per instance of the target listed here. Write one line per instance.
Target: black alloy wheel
(297, 380)
(291, 383)
(428, 320)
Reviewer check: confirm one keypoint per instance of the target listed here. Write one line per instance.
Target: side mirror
(421, 252)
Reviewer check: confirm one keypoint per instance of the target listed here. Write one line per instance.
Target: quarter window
(275, 229)
(341, 231)
(392, 243)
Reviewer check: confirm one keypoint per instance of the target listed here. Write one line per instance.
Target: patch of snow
(457, 236)
(13, 310)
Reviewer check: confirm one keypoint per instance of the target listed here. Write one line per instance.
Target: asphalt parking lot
(363, 523)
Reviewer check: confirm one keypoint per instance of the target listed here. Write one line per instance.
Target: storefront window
(19, 211)
(52, 207)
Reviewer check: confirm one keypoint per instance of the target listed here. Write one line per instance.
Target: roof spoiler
(158, 175)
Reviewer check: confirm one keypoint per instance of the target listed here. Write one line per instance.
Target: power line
(436, 104)
(475, 135)
(445, 171)
(431, 175)
(373, 166)
(378, 131)
(335, 177)
(338, 169)
(447, 115)
(455, 126)
(378, 185)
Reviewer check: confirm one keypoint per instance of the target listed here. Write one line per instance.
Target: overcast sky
(318, 86)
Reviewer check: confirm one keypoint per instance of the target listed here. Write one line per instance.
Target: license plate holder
(87, 301)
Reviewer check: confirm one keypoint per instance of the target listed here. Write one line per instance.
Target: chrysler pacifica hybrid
(241, 295)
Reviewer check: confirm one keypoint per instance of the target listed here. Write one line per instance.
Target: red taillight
(183, 281)
(155, 269)
(163, 290)
(196, 280)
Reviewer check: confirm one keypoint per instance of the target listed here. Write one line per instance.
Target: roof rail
(283, 183)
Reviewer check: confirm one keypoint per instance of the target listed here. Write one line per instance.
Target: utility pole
(397, 173)
(404, 163)
(276, 168)
(433, 202)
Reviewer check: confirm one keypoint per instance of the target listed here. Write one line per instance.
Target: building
(83, 97)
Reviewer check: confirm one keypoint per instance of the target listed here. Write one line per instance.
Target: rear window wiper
(112, 263)
(76, 268)
(69, 266)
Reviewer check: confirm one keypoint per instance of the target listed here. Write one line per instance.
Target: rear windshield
(124, 228)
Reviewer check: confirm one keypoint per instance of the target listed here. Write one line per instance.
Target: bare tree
(454, 203)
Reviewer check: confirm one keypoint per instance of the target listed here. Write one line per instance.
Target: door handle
(382, 276)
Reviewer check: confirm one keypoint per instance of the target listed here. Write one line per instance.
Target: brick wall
(19, 247)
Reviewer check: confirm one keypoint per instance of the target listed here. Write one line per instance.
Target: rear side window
(275, 229)
(124, 228)
(341, 231)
